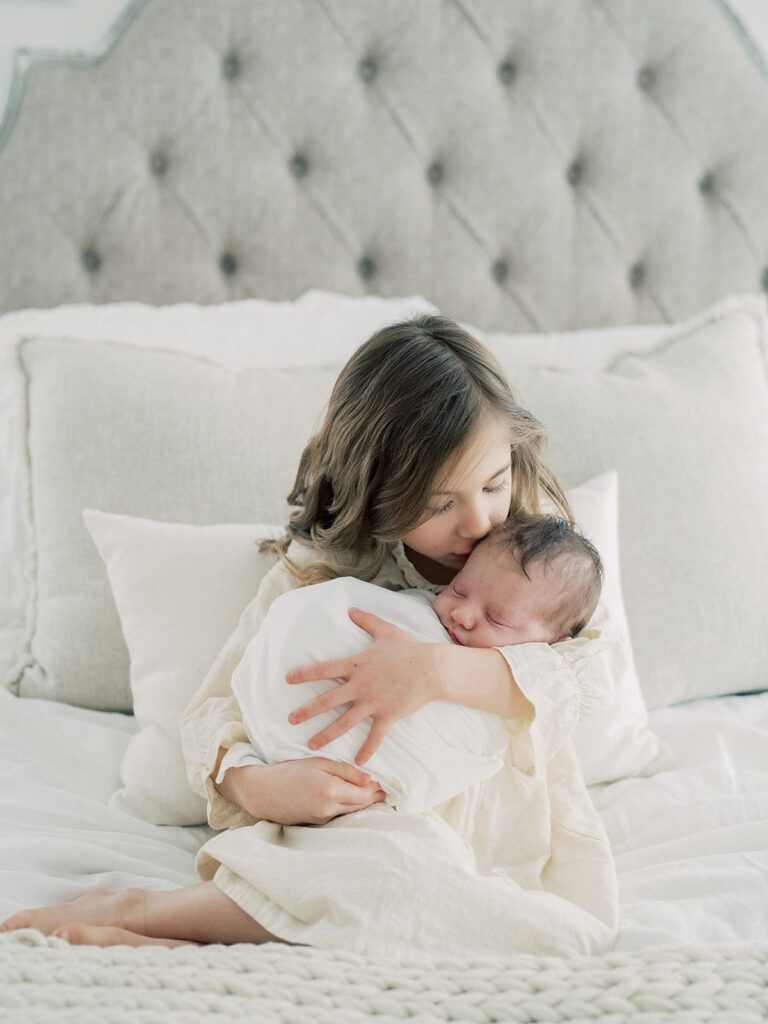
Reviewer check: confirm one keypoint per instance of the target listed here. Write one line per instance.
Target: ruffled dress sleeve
(564, 682)
(213, 719)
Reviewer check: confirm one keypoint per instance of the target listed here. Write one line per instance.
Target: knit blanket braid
(45, 980)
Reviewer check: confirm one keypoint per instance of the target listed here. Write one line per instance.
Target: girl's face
(472, 496)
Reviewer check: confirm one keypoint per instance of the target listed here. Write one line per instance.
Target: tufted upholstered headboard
(531, 164)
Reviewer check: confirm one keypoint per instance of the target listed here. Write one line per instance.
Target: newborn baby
(530, 580)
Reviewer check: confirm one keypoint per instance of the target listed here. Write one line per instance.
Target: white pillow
(617, 742)
(148, 433)
(319, 328)
(684, 421)
(595, 348)
(163, 576)
(179, 591)
(38, 612)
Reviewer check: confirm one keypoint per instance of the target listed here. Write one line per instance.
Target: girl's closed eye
(497, 488)
(486, 490)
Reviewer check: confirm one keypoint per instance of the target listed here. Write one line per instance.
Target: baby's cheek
(500, 638)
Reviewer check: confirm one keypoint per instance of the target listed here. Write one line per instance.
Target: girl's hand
(313, 790)
(394, 677)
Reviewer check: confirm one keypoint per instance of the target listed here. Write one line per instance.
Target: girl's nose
(475, 523)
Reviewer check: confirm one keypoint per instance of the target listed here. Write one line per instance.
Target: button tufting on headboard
(90, 260)
(646, 78)
(228, 264)
(636, 275)
(435, 173)
(230, 66)
(500, 271)
(707, 183)
(575, 173)
(367, 69)
(507, 71)
(299, 165)
(764, 279)
(158, 163)
(366, 268)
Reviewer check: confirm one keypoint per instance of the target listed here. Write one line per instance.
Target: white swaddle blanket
(426, 758)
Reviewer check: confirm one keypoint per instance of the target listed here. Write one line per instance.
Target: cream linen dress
(519, 863)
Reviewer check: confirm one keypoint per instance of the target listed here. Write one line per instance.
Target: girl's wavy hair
(402, 409)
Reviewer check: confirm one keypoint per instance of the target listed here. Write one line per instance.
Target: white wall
(72, 26)
(754, 15)
(82, 26)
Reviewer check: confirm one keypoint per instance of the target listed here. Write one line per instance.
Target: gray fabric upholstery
(526, 164)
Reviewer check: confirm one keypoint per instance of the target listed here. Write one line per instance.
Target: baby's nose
(463, 616)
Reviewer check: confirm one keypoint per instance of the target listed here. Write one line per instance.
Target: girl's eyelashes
(486, 490)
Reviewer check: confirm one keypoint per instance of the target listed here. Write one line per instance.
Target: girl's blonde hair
(403, 407)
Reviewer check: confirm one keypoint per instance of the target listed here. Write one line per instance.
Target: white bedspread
(691, 844)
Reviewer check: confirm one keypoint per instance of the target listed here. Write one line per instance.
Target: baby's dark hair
(538, 537)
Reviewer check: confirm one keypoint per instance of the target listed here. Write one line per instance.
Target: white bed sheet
(691, 843)
(59, 765)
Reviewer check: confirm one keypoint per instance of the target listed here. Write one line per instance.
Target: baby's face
(492, 603)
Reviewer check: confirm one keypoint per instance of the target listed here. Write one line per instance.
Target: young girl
(422, 451)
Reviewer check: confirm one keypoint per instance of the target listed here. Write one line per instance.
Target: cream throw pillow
(179, 591)
(685, 424)
(176, 437)
(151, 434)
(319, 328)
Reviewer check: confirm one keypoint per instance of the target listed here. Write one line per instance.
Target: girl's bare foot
(101, 908)
(93, 935)
(199, 913)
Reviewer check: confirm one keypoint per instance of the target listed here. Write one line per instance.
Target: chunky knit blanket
(45, 980)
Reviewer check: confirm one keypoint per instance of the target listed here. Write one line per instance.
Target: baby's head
(533, 579)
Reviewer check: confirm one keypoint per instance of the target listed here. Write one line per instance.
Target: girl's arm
(547, 687)
(398, 674)
(230, 788)
(479, 677)
(212, 723)
(310, 791)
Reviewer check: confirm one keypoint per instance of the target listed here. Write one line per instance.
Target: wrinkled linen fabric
(519, 862)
